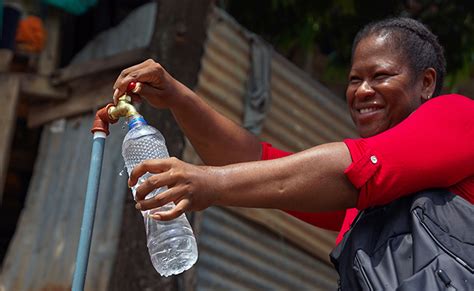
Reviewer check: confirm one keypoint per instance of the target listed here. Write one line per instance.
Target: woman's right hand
(154, 84)
(190, 187)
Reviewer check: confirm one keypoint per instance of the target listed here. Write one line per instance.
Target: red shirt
(432, 148)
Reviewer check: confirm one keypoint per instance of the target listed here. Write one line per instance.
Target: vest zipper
(364, 275)
(445, 279)
(446, 250)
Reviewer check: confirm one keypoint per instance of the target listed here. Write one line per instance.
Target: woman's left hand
(190, 187)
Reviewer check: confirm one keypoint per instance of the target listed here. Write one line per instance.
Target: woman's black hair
(417, 43)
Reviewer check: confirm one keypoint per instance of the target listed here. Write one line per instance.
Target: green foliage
(330, 26)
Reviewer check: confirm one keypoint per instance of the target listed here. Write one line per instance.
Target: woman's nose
(364, 91)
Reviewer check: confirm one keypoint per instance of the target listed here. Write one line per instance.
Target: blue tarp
(76, 7)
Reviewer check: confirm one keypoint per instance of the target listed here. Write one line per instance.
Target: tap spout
(111, 113)
(124, 108)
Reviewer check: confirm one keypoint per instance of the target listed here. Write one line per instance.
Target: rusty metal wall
(42, 252)
(237, 253)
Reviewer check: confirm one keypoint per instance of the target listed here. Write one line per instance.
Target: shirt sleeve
(328, 220)
(270, 153)
(432, 148)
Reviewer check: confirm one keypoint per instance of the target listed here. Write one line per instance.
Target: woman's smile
(369, 116)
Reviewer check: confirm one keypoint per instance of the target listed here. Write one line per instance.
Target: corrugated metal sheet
(42, 253)
(236, 253)
(303, 112)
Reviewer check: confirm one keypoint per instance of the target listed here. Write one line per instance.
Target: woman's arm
(213, 136)
(312, 180)
(217, 140)
(431, 148)
(330, 220)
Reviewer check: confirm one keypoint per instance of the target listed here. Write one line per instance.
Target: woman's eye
(381, 76)
(354, 80)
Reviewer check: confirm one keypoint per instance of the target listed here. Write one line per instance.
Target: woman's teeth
(367, 110)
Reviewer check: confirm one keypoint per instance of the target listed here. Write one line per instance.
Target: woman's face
(382, 90)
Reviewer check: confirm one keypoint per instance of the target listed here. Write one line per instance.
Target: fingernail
(138, 87)
(155, 216)
(116, 93)
(138, 206)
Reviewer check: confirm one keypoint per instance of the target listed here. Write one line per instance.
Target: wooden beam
(40, 87)
(6, 56)
(10, 84)
(87, 95)
(93, 67)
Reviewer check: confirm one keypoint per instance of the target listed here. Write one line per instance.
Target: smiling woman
(397, 66)
(383, 89)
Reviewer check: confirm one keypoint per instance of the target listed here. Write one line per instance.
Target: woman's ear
(428, 84)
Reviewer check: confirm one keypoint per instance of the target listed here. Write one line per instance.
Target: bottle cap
(136, 120)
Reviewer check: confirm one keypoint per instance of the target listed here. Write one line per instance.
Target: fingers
(174, 212)
(146, 91)
(151, 166)
(146, 72)
(152, 183)
(172, 194)
(119, 85)
(183, 181)
(138, 76)
(127, 71)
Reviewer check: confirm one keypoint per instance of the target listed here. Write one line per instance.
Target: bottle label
(135, 121)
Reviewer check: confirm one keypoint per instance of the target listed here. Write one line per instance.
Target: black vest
(420, 242)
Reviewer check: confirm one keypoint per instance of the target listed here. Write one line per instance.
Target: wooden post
(177, 44)
(10, 85)
(49, 57)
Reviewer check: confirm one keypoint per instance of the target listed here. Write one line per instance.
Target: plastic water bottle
(171, 244)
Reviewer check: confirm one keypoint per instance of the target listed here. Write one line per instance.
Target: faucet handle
(126, 98)
(134, 87)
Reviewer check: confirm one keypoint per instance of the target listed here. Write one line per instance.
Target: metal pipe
(109, 114)
(89, 211)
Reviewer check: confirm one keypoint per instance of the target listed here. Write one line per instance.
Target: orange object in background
(30, 35)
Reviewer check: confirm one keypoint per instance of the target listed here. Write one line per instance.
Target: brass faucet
(111, 114)
(124, 108)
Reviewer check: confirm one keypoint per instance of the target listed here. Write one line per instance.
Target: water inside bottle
(171, 244)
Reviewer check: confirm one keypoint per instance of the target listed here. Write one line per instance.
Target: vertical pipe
(87, 226)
